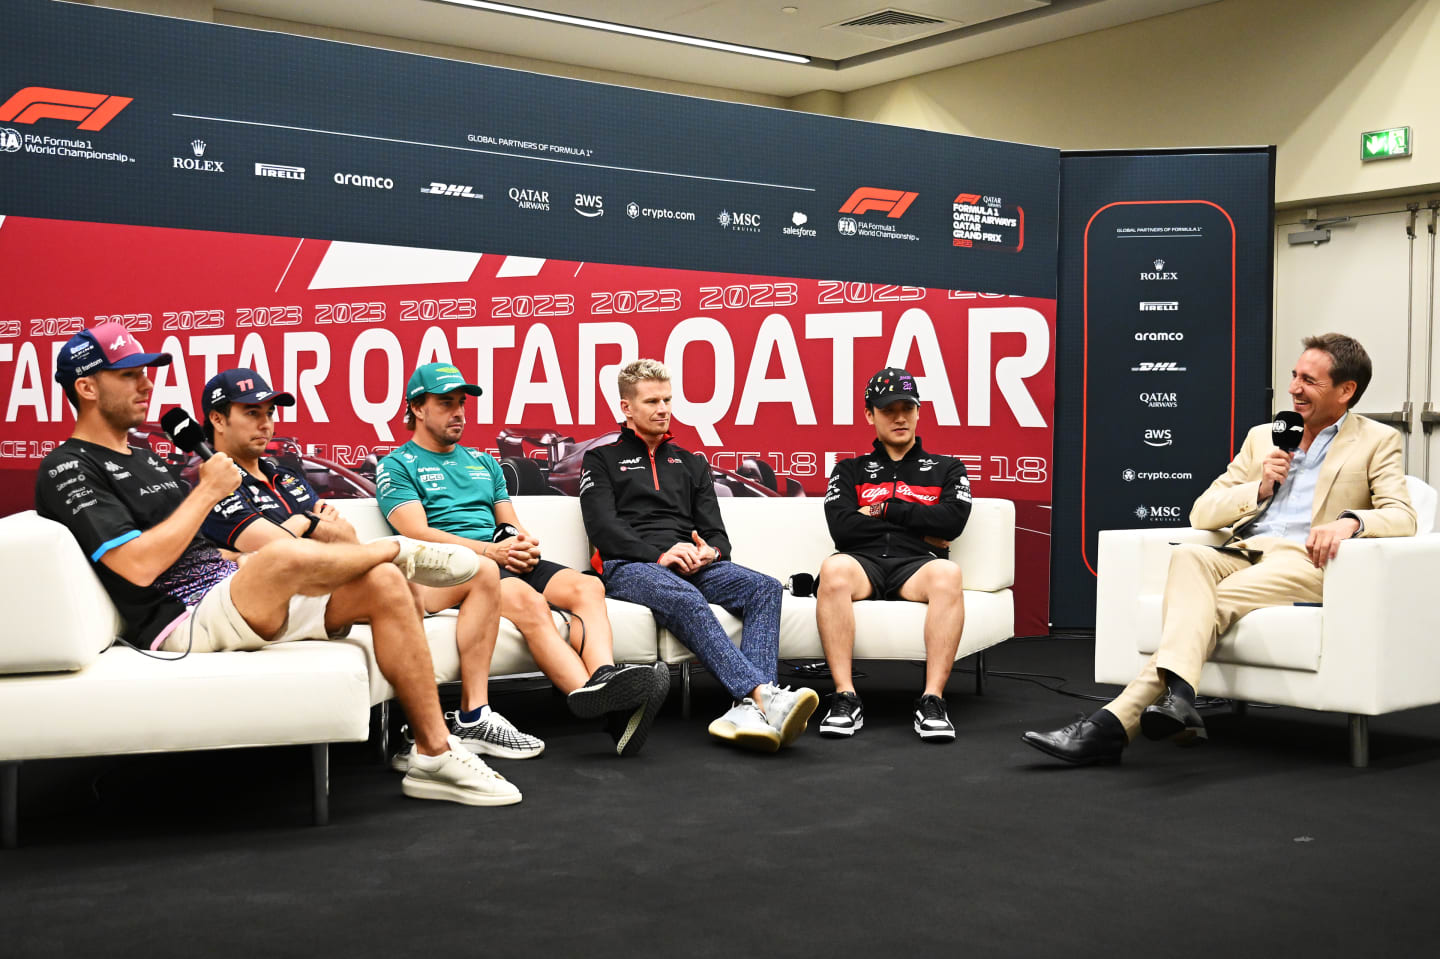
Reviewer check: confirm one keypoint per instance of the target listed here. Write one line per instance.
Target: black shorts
(539, 576)
(888, 573)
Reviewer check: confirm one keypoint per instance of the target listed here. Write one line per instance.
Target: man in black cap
(892, 514)
(140, 528)
(238, 415)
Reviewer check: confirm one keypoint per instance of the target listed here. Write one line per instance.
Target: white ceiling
(845, 59)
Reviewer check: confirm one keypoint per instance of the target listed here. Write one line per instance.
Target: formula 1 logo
(91, 110)
(867, 198)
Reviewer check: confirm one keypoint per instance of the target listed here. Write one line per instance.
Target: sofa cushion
(632, 625)
(59, 617)
(883, 630)
(784, 536)
(290, 693)
(1285, 637)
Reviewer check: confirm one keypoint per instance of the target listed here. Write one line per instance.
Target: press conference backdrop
(1164, 342)
(334, 215)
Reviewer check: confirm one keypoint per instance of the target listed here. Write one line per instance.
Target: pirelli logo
(893, 202)
(90, 111)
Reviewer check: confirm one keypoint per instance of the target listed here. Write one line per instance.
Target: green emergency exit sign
(1385, 144)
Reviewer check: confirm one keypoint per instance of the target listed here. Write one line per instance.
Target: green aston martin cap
(438, 378)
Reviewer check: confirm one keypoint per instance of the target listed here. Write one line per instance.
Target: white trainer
(745, 726)
(789, 710)
(457, 775)
(434, 564)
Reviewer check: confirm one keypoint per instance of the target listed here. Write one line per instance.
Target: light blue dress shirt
(1293, 504)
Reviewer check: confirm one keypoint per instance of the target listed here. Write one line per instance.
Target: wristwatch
(314, 522)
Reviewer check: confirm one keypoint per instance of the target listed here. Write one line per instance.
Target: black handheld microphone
(1288, 429)
(503, 531)
(802, 584)
(185, 433)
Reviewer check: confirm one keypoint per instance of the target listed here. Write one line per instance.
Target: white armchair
(1370, 649)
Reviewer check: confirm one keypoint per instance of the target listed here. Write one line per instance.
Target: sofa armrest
(1381, 646)
(57, 615)
(1133, 563)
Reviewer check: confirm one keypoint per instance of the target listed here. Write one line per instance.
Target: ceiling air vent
(893, 25)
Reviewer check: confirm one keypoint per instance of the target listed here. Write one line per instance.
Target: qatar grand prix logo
(91, 111)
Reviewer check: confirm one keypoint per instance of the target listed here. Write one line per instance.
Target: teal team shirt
(458, 489)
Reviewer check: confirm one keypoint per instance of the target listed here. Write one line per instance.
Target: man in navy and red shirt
(651, 513)
(141, 530)
(275, 503)
(892, 514)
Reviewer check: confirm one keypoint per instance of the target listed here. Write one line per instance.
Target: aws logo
(91, 111)
(893, 202)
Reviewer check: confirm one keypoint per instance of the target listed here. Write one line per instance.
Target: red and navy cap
(240, 386)
(108, 346)
(891, 385)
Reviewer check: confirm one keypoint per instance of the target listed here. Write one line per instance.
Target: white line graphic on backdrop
(520, 156)
(288, 265)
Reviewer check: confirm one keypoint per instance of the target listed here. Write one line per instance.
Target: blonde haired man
(652, 516)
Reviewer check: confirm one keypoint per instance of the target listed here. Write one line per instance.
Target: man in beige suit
(1289, 513)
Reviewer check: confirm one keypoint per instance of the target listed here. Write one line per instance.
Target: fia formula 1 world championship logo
(91, 111)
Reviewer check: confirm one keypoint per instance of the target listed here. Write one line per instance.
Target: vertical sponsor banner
(335, 215)
(1164, 345)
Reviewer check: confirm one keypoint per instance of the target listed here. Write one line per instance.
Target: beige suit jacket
(1362, 474)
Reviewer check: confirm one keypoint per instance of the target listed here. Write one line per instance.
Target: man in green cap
(434, 489)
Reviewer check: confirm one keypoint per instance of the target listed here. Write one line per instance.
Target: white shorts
(215, 626)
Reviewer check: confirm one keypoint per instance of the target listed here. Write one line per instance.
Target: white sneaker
(458, 776)
(745, 726)
(789, 710)
(434, 564)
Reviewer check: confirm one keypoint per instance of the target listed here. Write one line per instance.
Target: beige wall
(1307, 75)
(212, 11)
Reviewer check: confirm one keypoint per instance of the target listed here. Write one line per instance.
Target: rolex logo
(198, 146)
(1159, 264)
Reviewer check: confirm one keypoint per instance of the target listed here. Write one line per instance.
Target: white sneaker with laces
(789, 710)
(745, 726)
(434, 564)
(459, 776)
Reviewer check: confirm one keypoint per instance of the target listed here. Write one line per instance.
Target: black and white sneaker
(846, 716)
(612, 689)
(631, 728)
(494, 735)
(932, 722)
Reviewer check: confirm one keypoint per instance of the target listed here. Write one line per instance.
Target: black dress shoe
(1172, 717)
(1082, 742)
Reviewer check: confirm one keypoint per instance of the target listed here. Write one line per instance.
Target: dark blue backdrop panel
(707, 185)
(1162, 343)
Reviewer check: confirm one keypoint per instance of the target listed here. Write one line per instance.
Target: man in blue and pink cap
(140, 528)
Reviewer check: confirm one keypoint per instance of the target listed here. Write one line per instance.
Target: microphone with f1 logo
(185, 433)
(1287, 431)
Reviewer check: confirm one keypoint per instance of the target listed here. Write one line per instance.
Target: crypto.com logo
(867, 198)
(92, 110)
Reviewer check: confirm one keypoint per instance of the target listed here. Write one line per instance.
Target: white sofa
(1369, 650)
(59, 668)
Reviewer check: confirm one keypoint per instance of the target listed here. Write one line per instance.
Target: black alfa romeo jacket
(922, 495)
(637, 504)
